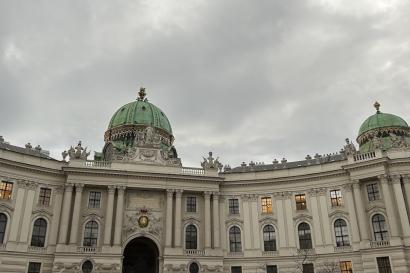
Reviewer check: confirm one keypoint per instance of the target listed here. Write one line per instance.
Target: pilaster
(65, 215)
(119, 214)
(76, 214)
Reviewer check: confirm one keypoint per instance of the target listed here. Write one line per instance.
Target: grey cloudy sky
(249, 80)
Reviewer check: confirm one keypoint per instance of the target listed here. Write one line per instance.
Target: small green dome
(382, 120)
(140, 112)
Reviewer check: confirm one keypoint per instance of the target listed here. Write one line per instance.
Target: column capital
(395, 178)
(59, 189)
(207, 194)
(27, 184)
(356, 186)
(178, 193)
(121, 189)
(313, 192)
(111, 189)
(383, 178)
(79, 187)
(322, 191)
(170, 192)
(348, 187)
(215, 194)
(406, 178)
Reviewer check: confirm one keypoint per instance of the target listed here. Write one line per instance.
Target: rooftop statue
(76, 153)
(211, 163)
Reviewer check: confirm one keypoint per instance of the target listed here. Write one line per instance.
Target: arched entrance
(140, 256)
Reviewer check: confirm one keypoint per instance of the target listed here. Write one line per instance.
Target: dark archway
(140, 256)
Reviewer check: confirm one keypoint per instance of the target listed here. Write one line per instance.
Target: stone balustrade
(269, 253)
(194, 252)
(36, 249)
(88, 249)
(343, 248)
(376, 244)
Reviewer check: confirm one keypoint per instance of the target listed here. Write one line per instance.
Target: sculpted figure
(349, 147)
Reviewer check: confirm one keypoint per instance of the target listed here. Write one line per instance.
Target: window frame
(342, 239)
(308, 265)
(236, 244)
(236, 269)
(346, 269)
(193, 244)
(269, 238)
(271, 266)
(44, 199)
(92, 200)
(266, 205)
(3, 232)
(336, 200)
(88, 241)
(380, 234)
(6, 189)
(300, 204)
(29, 270)
(382, 268)
(39, 233)
(191, 206)
(233, 206)
(305, 243)
(374, 194)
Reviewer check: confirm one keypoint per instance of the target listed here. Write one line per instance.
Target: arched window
(193, 268)
(341, 233)
(305, 239)
(379, 228)
(91, 234)
(191, 237)
(3, 224)
(87, 267)
(38, 237)
(269, 238)
(235, 239)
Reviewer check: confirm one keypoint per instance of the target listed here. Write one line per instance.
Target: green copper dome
(381, 120)
(140, 113)
(383, 131)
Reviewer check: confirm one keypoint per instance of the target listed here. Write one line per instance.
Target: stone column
(27, 212)
(352, 213)
(316, 219)
(76, 213)
(281, 232)
(390, 209)
(215, 207)
(361, 214)
(207, 213)
(404, 220)
(18, 209)
(178, 206)
(290, 228)
(256, 241)
(325, 216)
(108, 216)
(119, 215)
(168, 232)
(247, 222)
(65, 214)
(406, 180)
(56, 203)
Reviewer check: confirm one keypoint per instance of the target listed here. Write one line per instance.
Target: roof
(288, 165)
(382, 120)
(27, 151)
(140, 112)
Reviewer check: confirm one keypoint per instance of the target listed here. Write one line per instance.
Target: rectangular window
(94, 199)
(271, 269)
(346, 267)
(44, 197)
(233, 206)
(373, 192)
(6, 189)
(34, 267)
(336, 198)
(383, 264)
(191, 204)
(266, 205)
(300, 201)
(308, 268)
(236, 269)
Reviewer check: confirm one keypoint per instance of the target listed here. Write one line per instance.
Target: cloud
(247, 80)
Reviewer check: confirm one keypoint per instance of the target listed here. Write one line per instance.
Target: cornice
(32, 168)
(366, 164)
(141, 175)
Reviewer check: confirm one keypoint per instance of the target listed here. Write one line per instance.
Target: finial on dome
(377, 106)
(141, 93)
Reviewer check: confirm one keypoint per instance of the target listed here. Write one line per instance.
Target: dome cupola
(384, 131)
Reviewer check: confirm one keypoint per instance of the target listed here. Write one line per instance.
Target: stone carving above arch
(265, 220)
(233, 221)
(132, 225)
(303, 217)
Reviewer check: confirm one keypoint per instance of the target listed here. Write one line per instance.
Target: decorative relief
(348, 187)
(211, 163)
(175, 268)
(210, 268)
(144, 221)
(26, 184)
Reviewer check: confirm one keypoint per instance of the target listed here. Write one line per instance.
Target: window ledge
(37, 249)
(343, 248)
(194, 252)
(235, 254)
(376, 244)
(270, 253)
(88, 249)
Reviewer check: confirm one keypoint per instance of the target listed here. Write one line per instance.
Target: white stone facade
(129, 190)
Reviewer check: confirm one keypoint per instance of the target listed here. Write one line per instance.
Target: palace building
(135, 208)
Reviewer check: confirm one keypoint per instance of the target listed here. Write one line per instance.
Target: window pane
(94, 199)
(305, 240)
(191, 237)
(346, 267)
(383, 264)
(34, 267)
(235, 239)
(379, 228)
(87, 267)
(271, 269)
(236, 269)
(233, 206)
(38, 237)
(44, 197)
(266, 205)
(191, 204)
(3, 225)
(300, 201)
(91, 234)
(308, 268)
(6, 190)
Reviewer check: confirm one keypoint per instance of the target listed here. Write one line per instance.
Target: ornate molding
(111, 189)
(348, 187)
(27, 184)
